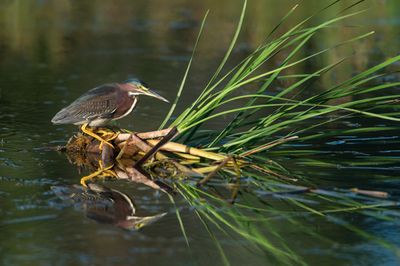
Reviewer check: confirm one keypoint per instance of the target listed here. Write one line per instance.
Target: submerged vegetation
(242, 191)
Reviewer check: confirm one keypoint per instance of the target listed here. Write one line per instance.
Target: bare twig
(267, 171)
(171, 134)
(214, 172)
(236, 186)
(268, 146)
(371, 193)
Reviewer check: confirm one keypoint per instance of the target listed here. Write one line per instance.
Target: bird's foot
(104, 132)
(107, 135)
(101, 172)
(91, 132)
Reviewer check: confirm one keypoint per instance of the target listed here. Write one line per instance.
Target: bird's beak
(151, 93)
(136, 223)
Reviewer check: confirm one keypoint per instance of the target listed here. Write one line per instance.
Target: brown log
(177, 147)
(144, 135)
(134, 175)
(141, 144)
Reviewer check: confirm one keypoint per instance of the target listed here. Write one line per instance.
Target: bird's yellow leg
(102, 172)
(108, 134)
(90, 132)
(108, 173)
(89, 177)
(113, 136)
(105, 132)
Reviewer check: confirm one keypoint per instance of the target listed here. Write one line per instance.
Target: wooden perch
(153, 155)
(144, 135)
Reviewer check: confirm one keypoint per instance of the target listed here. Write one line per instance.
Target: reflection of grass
(252, 216)
(265, 200)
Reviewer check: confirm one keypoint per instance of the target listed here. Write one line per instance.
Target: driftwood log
(140, 157)
(144, 157)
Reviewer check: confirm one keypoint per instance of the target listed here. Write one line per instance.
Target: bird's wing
(100, 102)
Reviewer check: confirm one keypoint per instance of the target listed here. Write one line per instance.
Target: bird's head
(137, 87)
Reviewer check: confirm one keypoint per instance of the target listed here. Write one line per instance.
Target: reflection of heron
(105, 205)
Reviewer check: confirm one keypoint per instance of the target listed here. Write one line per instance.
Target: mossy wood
(171, 160)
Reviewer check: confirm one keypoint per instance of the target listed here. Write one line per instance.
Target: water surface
(53, 51)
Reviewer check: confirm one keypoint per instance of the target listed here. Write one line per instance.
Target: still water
(53, 51)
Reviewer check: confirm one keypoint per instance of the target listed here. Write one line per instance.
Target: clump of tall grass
(249, 132)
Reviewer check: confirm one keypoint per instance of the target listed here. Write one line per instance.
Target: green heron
(103, 104)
